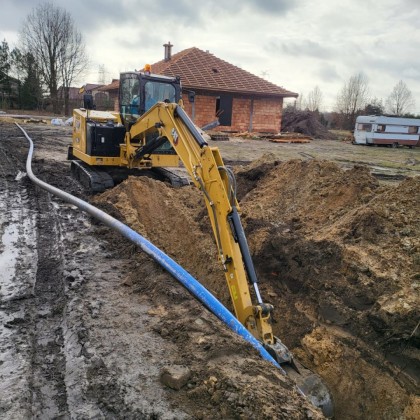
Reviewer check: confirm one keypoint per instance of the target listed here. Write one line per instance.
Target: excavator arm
(206, 168)
(169, 122)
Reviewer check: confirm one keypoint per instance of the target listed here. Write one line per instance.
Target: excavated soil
(337, 254)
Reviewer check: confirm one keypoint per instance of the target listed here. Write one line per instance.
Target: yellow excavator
(152, 132)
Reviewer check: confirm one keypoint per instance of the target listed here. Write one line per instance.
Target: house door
(224, 109)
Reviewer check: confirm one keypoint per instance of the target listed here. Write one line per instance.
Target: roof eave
(242, 92)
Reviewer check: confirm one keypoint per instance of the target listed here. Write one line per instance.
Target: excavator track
(90, 177)
(173, 176)
(97, 179)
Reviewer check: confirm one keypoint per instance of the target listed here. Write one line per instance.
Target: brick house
(111, 91)
(239, 100)
(101, 98)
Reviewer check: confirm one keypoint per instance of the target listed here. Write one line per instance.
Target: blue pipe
(180, 274)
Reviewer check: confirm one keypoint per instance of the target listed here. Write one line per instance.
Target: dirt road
(89, 323)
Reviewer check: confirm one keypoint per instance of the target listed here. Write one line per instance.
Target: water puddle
(18, 256)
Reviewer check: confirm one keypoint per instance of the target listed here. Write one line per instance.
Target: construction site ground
(89, 323)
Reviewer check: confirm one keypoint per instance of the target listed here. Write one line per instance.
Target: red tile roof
(114, 85)
(202, 70)
(92, 86)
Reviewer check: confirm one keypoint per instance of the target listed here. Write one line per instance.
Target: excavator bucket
(313, 387)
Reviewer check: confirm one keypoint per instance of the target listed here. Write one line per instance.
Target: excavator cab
(139, 91)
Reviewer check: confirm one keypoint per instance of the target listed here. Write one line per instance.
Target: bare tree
(314, 101)
(299, 102)
(49, 34)
(352, 98)
(72, 60)
(101, 74)
(401, 100)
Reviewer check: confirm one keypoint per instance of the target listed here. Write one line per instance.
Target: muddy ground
(89, 323)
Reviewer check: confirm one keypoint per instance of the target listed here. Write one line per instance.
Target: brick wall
(266, 113)
(205, 109)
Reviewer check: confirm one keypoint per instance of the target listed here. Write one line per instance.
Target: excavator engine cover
(104, 139)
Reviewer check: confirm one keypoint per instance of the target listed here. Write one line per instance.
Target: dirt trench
(338, 255)
(336, 252)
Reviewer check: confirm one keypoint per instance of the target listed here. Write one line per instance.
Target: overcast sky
(297, 44)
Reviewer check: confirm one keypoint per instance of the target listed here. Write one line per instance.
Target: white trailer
(391, 131)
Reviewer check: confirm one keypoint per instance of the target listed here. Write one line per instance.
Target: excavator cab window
(130, 98)
(139, 92)
(158, 92)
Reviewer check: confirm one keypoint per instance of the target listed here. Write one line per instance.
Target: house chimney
(168, 51)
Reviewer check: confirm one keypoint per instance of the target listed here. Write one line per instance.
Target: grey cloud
(273, 6)
(394, 58)
(304, 47)
(414, 4)
(159, 15)
(328, 73)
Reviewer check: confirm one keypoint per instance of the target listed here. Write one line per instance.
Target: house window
(364, 127)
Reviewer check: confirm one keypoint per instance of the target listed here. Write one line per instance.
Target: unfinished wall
(267, 115)
(266, 112)
(205, 109)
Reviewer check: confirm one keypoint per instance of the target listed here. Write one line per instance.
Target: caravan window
(381, 128)
(413, 129)
(364, 127)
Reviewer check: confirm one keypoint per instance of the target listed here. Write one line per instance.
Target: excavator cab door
(130, 97)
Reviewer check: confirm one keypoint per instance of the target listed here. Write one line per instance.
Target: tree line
(50, 56)
(354, 99)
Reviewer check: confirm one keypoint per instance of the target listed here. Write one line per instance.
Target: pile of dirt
(338, 256)
(304, 122)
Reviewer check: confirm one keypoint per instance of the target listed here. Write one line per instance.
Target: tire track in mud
(48, 360)
(18, 259)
